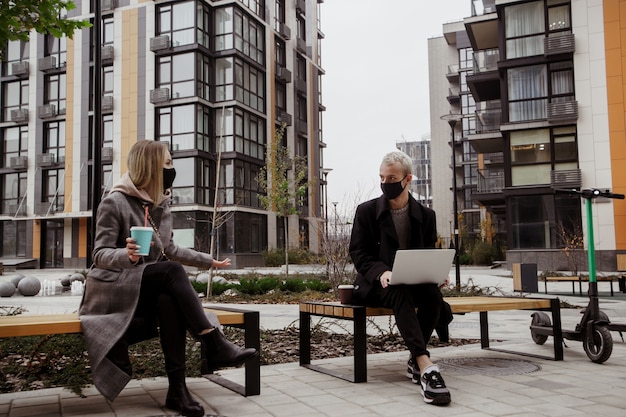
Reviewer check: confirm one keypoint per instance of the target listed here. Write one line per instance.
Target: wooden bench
(47, 324)
(575, 280)
(359, 314)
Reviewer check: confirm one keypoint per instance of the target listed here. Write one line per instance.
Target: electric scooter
(594, 329)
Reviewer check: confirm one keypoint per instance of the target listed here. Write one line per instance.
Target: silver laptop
(422, 266)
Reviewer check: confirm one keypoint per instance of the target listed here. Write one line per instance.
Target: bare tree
(284, 181)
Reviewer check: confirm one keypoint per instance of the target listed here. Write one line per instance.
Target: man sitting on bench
(381, 226)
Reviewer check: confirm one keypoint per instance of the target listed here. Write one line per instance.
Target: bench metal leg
(360, 347)
(557, 334)
(252, 339)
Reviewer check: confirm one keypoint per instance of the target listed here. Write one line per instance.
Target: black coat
(374, 241)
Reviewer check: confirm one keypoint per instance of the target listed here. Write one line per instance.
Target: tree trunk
(286, 225)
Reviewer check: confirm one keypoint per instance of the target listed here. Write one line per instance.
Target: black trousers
(415, 328)
(167, 295)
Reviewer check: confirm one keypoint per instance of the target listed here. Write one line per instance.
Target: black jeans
(415, 328)
(167, 295)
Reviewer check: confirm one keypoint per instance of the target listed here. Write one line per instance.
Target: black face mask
(169, 174)
(392, 190)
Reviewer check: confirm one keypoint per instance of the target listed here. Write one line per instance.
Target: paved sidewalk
(482, 383)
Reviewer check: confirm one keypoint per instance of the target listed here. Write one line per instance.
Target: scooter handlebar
(589, 193)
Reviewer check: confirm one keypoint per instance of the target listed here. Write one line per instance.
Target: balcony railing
(486, 60)
(488, 120)
(490, 182)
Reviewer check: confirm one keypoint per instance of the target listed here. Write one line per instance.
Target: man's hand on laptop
(446, 283)
(385, 278)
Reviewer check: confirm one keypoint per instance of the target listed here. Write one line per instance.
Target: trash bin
(525, 278)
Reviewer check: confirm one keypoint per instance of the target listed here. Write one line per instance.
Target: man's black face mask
(392, 190)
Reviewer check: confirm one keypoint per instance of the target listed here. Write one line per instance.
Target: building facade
(215, 80)
(539, 88)
(419, 151)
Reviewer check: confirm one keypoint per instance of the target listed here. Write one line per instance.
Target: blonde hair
(145, 167)
(398, 156)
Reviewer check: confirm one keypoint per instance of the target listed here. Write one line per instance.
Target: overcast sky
(375, 90)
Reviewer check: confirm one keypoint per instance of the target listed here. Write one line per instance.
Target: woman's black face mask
(392, 190)
(169, 174)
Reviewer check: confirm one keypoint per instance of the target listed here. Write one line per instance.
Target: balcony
(301, 46)
(453, 73)
(569, 178)
(562, 111)
(488, 120)
(454, 95)
(16, 209)
(559, 44)
(108, 5)
(490, 188)
(484, 83)
(482, 30)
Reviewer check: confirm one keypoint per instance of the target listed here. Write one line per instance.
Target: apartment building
(419, 151)
(539, 88)
(213, 79)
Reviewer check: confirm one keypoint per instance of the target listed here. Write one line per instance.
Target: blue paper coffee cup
(143, 237)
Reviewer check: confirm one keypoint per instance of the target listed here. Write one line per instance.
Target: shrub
(218, 288)
(293, 285)
(298, 256)
(465, 259)
(318, 285)
(250, 286)
(267, 284)
(484, 253)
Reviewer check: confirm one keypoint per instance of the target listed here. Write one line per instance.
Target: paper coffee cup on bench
(143, 238)
(345, 293)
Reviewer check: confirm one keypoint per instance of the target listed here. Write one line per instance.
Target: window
(279, 14)
(538, 221)
(249, 134)
(107, 80)
(301, 28)
(53, 190)
(177, 72)
(250, 235)
(249, 85)
(183, 188)
(13, 193)
(534, 153)
(185, 127)
(559, 16)
(15, 143)
(55, 91)
(280, 54)
(531, 88)
(256, 6)
(14, 97)
(56, 47)
(224, 29)
(238, 183)
(249, 37)
(16, 51)
(13, 239)
(54, 139)
(108, 34)
(178, 21)
(524, 29)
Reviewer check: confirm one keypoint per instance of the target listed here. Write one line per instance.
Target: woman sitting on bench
(130, 297)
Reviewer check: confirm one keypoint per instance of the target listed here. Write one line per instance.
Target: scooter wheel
(539, 319)
(599, 344)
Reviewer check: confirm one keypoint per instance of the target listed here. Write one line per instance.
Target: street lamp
(325, 172)
(453, 119)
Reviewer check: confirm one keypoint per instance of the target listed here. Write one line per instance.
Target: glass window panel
(530, 175)
(185, 172)
(558, 18)
(184, 15)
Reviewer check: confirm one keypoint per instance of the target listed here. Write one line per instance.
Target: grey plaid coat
(113, 282)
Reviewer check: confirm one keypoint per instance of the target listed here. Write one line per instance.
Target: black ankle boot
(179, 399)
(218, 352)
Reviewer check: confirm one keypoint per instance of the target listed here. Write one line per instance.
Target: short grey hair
(398, 156)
